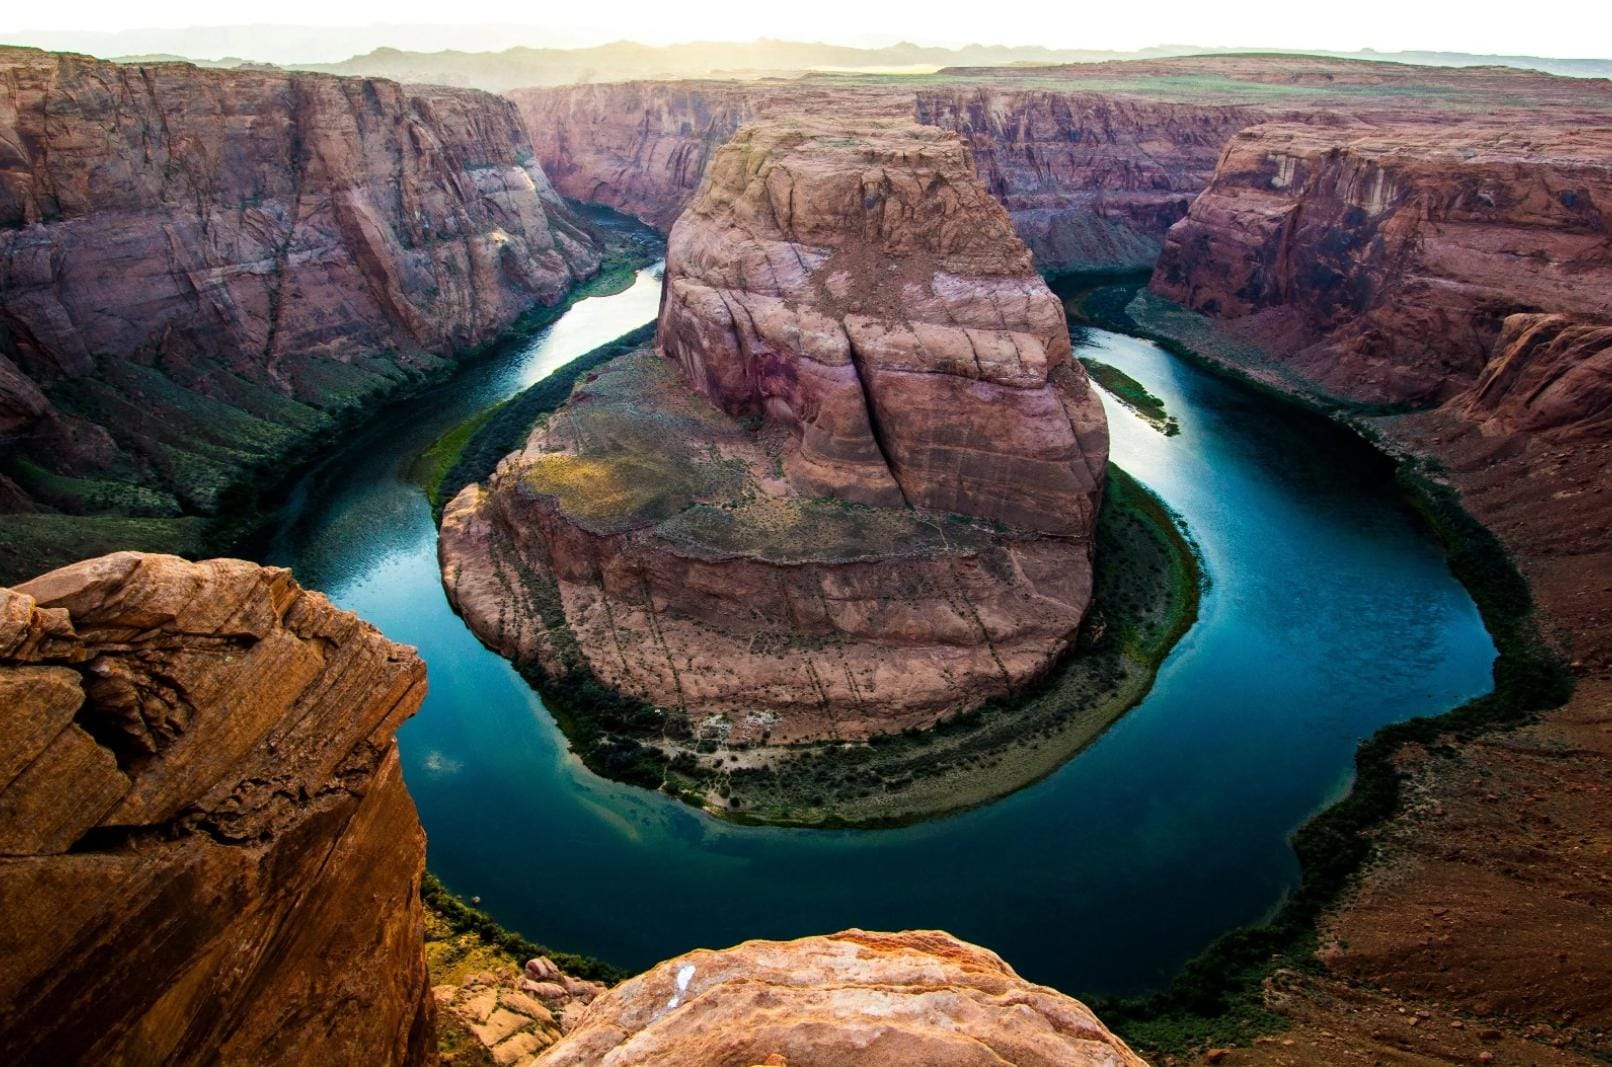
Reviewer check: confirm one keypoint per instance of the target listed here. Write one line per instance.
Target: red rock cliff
(207, 853)
(1092, 181)
(1383, 264)
(198, 266)
(638, 147)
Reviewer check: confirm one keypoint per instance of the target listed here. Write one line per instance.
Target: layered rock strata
(207, 853)
(861, 998)
(200, 268)
(1094, 161)
(854, 490)
(643, 147)
(1386, 265)
(1092, 181)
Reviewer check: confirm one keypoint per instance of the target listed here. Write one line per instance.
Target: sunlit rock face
(853, 488)
(207, 854)
(1386, 265)
(854, 999)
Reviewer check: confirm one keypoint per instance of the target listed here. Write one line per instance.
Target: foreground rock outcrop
(1386, 265)
(855, 998)
(876, 511)
(207, 853)
(201, 269)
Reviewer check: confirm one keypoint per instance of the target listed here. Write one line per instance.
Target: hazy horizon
(322, 36)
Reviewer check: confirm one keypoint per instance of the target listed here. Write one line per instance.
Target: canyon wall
(638, 147)
(854, 490)
(643, 147)
(207, 853)
(200, 269)
(1385, 264)
(1092, 181)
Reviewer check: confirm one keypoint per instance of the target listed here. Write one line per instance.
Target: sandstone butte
(200, 268)
(207, 853)
(1093, 161)
(854, 489)
(1410, 264)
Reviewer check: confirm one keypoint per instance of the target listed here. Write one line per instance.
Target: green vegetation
(1145, 597)
(460, 918)
(202, 453)
(469, 452)
(1133, 394)
(1217, 998)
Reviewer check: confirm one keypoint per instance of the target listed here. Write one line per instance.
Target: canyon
(202, 272)
(1094, 161)
(852, 492)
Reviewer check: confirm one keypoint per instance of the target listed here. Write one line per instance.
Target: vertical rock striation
(1092, 180)
(207, 853)
(199, 268)
(1385, 266)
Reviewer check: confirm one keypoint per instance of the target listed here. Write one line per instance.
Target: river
(1331, 612)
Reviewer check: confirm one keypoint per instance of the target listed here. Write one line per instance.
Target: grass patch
(469, 452)
(1133, 394)
(499, 944)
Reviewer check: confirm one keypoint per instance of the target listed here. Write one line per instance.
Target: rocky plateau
(852, 492)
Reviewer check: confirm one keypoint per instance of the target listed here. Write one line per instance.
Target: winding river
(1331, 612)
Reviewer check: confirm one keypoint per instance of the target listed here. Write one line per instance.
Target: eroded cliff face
(199, 268)
(852, 493)
(639, 147)
(1092, 181)
(854, 998)
(207, 853)
(643, 147)
(1384, 266)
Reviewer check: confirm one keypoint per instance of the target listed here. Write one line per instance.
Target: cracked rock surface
(204, 833)
(854, 998)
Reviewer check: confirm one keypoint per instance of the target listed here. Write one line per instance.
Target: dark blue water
(1331, 613)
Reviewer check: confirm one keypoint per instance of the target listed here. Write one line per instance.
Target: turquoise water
(1331, 613)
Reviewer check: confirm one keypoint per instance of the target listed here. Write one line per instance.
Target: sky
(1574, 29)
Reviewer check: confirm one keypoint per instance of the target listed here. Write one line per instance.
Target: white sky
(1575, 29)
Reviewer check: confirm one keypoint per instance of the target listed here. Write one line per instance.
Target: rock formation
(1385, 265)
(207, 853)
(200, 268)
(877, 510)
(855, 998)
